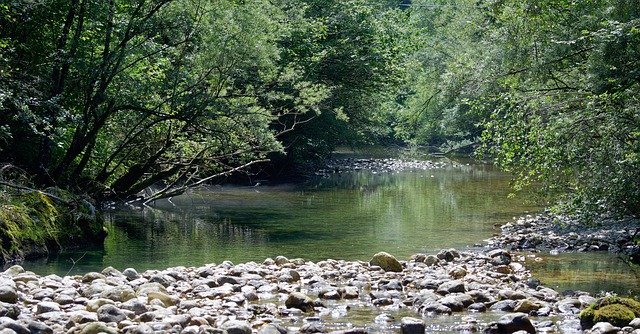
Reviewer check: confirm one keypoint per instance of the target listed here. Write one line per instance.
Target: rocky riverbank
(491, 292)
(386, 165)
(557, 233)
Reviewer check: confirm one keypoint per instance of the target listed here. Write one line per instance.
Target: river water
(347, 216)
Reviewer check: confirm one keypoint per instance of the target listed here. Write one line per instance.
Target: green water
(347, 216)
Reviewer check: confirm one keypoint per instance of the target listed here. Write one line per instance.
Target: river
(347, 216)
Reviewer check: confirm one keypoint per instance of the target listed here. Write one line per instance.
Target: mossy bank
(34, 223)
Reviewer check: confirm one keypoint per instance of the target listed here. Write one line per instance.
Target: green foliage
(615, 310)
(111, 97)
(550, 87)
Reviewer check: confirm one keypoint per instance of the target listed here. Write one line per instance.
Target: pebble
(280, 295)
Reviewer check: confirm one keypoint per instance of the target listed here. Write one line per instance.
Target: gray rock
(8, 294)
(44, 307)
(635, 323)
(110, 313)
(386, 261)
(120, 293)
(433, 307)
(97, 328)
(313, 327)
(10, 311)
(511, 323)
(39, 328)
(281, 260)
(477, 307)
(604, 328)
(453, 303)
(14, 270)
(141, 329)
(410, 325)
(451, 287)
(7, 323)
(82, 317)
(7, 331)
(431, 260)
(135, 306)
(526, 306)
(92, 276)
(300, 301)
(131, 274)
(272, 329)
(503, 306)
(236, 327)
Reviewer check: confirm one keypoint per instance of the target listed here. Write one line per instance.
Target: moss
(35, 223)
(615, 314)
(615, 310)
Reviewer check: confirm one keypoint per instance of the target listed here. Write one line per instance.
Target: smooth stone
(410, 325)
(503, 306)
(300, 301)
(120, 293)
(451, 287)
(110, 313)
(313, 327)
(8, 294)
(431, 260)
(281, 260)
(7, 323)
(14, 270)
(386, 261)
(435, 308)
(82, 317)
(141, 329)
(92, 276)
(39, 328)
(44, 307)
(97, 328)
(131, 274)
(511, 323)
(236, 327)
(635, 323)
(453, 303)
(166, 299)
(94, 304)
(11, 311)
(272, 329)
(477, 307)
(604, 328)
(526, 306)
(135, 306)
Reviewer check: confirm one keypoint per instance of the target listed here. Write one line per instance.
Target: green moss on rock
(615, 314)
(615, 310)
(35, 223)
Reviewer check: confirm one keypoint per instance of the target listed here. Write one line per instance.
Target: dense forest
(109, 98)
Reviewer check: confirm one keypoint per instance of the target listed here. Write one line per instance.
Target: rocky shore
(486, 291)
(557, 233)
(386, 165)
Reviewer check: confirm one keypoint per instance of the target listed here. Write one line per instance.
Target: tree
(553, 87)
(112, 97)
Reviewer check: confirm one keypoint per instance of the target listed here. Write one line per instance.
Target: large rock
(236, 327)
(386, 261)
(514, 322)
(8, 294)
(410, 325)
(300, 301)
(110, 313)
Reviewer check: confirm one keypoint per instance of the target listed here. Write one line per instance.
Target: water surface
(346, 216)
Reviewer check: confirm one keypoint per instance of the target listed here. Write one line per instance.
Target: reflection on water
(593, 272)
(346, 216)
